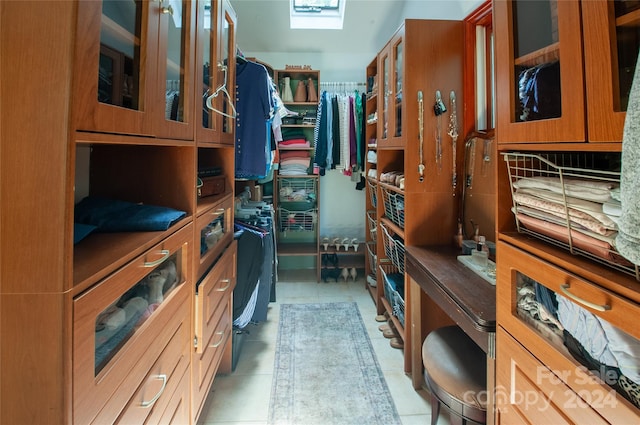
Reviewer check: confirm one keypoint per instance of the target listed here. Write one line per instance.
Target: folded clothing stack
(294, 162)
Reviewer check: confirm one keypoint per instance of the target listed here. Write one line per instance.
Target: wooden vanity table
(445, 291)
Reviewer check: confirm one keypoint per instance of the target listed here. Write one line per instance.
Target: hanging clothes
(255, 108)
(338, 135)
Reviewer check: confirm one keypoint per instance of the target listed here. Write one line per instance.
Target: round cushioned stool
(455, 370)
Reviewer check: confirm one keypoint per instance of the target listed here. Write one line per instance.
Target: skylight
(316, 14)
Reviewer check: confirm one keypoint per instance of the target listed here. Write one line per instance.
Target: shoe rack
(341, 259)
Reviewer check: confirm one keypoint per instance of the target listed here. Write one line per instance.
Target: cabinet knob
(167, 10)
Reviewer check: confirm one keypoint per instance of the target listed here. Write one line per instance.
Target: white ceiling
(263, 26)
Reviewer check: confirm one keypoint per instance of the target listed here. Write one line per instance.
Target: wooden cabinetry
(371, 135)
(422, 57)
(534, 363)
(104, 133)
(297, 191)
(134, 68)
(215, 73)
(564, 72)
(540, 368)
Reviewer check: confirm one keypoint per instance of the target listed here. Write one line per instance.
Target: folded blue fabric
(81, 231)
(110, 215)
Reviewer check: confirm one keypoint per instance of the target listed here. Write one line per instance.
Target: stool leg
(435, 409)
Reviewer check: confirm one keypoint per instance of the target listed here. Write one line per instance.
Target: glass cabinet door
(383, 105)
(397, 84)
(216, 71)
(113, 38)
(611, 42)
(142, 54)
(539, 72)
(173, 108)
(226, 99)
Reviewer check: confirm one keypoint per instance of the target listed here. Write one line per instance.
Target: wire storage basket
(393, 248)
(373, 258)
(297, 194)
(373, 223)
(372, 188)
(393, 206)
(569, 200)
(297, 221)
(394, 289)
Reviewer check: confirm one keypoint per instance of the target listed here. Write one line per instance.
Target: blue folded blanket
(110, 215)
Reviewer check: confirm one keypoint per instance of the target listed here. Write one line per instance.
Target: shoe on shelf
(371, 280)
(345, 273)
(353, 273)
(345, 243)
(384, 327)
(396, 343)
(336, 242)
(354, 244)
(325, 243)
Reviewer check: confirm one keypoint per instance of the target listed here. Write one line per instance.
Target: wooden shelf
(547, 54)
(631, 19)
(297, 249)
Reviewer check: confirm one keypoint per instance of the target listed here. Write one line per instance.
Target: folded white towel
(591, 190)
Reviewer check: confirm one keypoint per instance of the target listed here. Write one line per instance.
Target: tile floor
(243, 396)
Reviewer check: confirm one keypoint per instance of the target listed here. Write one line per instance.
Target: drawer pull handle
(219, 211)
(165, 254)
(217, 344)
(565, 290)
(228, 282)
(150, 403)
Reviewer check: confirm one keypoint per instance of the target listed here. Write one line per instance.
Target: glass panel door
(386, 92)
(119, 77)
(539, 71)
(611, 42)
(226, 75)
(397, 78)
(208, 60)
(536, 60)
(175, 64)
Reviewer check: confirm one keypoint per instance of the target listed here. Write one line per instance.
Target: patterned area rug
(326, 371)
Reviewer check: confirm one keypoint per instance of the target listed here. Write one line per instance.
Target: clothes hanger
(223, 89)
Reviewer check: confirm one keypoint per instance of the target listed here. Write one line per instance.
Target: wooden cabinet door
(539, 48)
(172, 107)
(215, 73)
(133, 68)
(114, 67)
(529, 392)
(391, 67)
(611, 43)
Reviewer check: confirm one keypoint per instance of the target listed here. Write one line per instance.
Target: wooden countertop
(467, 298)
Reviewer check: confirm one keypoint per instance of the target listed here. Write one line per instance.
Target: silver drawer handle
(165, 254)
(217, 344)
(228, 282)
(219, 211)
(149, 403)
(565, 290)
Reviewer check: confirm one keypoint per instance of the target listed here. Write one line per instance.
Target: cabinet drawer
(526, 388)
(164, 377)
(582, 332)
(122, 325)
(216, 286)
(214, 227)
(205, 365)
